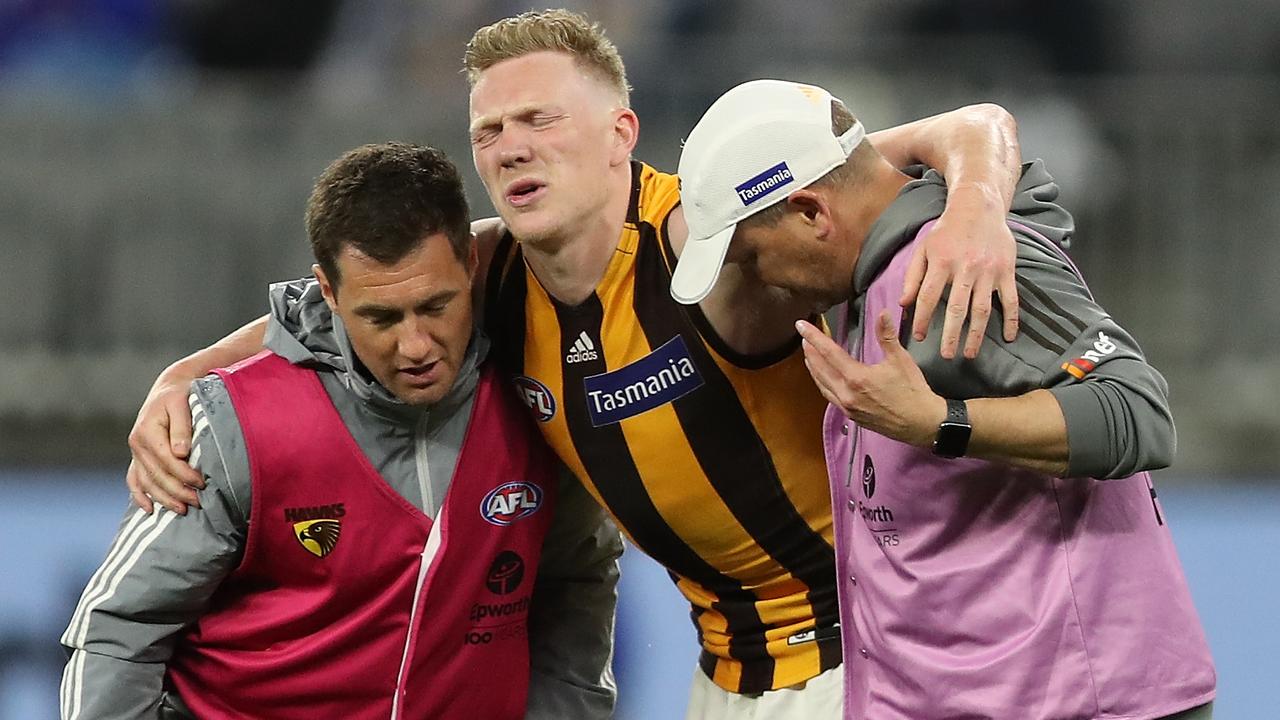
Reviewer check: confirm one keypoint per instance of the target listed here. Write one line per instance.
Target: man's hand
(161, 437)
(161, 442)
(973, 249)
(890, 398)
(976, 150)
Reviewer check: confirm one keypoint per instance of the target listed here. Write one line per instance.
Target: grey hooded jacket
(163, 569)
(1117, 416)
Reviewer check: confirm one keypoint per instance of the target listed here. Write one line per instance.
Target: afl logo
(868, 477)
(537, 397)
(508, 503)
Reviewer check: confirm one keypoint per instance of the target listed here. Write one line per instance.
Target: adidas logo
(583, 350)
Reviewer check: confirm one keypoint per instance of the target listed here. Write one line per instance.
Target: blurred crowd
(157, 152)
(106, 41)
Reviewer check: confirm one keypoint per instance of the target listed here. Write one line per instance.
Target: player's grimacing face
(409, 322)
(542, 141)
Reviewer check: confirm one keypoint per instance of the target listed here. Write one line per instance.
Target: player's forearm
(1027, 431)
(243, 343)
(974, 147)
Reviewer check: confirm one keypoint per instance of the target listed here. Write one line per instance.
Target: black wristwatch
(952, 439)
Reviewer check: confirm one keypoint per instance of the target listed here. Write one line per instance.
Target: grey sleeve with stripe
(157, 578)
(1115, 404)
(571, 618)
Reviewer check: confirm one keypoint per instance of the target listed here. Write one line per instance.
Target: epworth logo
(510, 502)
(505, 573)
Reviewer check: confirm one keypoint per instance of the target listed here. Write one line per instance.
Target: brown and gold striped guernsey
(709, 461)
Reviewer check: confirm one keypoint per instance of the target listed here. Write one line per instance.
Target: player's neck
(572, 266)
(872, 198)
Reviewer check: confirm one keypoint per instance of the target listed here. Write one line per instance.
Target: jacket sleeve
(1115, 404)
(157, 578)
(571, 620)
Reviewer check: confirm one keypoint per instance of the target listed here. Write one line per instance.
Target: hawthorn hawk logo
(319, 537)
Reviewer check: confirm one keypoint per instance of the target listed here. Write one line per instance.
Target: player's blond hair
(548, 30)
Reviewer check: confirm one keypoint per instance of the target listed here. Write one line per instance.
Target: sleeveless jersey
(976, 589)
(349, 601)
(710, 462)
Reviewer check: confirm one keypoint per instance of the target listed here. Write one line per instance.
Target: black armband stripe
(1049, 324)
(1049, 303)
(1041, 340)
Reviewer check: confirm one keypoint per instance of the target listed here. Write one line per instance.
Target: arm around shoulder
(970, 248)
(160, 440)
(243, 342)
(973, 144)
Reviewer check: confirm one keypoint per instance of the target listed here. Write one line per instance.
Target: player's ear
(328, 290)
(811, 210)
(625, 131)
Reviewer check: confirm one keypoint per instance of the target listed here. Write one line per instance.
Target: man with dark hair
(382, 533)
(1000, 548)
(378, 198)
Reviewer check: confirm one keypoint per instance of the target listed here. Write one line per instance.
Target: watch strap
(952, 439)
(957, 412)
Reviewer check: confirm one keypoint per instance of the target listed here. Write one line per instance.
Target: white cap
(758, 143)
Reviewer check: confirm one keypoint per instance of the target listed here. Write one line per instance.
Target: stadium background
(155, 156)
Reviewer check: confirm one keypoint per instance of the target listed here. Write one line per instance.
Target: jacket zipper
(424, 562)
(424, 566)
(423, 468)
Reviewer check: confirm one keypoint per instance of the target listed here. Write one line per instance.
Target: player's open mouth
(523, 192)
(420, 375)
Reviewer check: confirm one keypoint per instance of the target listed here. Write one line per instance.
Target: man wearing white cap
(1002, 553)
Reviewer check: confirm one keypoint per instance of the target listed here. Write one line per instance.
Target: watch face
(952, 440)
